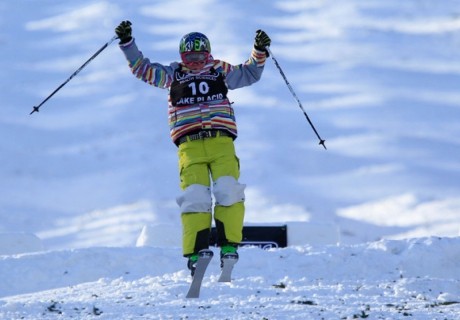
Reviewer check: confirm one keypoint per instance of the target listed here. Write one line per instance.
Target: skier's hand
(261, 40)
(124, 31)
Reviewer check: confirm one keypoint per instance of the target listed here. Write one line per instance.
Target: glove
(124, 31)
(261, 41)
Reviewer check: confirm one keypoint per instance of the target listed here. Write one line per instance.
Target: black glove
(124, 31)
(261, 41)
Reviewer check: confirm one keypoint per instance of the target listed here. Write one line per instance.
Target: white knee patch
(228, 191)
(196, 198)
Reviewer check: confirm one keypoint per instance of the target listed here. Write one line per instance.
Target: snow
(388, 279)
(89, 225)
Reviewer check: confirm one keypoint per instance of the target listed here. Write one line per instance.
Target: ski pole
(36, 108)
(321, 141)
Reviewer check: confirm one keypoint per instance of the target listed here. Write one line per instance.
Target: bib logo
(184, 77)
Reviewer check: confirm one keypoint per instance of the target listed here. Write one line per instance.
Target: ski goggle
(190, 57)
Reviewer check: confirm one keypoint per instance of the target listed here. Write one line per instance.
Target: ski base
(228, 262)
(204, 257)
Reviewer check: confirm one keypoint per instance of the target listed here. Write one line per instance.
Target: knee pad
(196, 198)
(228, 191)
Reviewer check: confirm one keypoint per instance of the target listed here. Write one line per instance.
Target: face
(195, 60)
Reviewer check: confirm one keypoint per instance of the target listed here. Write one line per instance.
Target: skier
(203, 127)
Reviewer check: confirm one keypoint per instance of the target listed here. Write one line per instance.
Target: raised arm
(251, 71)
(155, 74)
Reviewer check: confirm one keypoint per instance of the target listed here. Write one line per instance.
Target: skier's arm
(243, 75)
(246, 74)
(154, 74)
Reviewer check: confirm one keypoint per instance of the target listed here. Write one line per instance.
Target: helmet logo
(199, 45)
(194, 41)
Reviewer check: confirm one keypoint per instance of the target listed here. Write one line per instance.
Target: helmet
(194, 41)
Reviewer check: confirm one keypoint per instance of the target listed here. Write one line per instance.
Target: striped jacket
(217, 114)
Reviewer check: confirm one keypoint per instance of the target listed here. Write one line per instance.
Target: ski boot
(191, 263)
(193, 260)
(228, 258)
(228, 252)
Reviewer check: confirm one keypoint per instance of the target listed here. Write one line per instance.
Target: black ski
(204, 257)
(228, 261)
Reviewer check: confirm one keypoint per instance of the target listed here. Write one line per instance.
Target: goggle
(190, 57)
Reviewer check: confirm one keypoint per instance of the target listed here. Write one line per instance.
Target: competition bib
(187, 89)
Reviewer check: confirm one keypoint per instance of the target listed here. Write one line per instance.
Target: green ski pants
(202, 162)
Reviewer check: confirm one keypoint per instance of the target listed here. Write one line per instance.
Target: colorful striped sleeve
(258, 57)
(247, 73)
(155, 74)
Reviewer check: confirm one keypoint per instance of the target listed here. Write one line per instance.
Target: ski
(204, 257)
(228, 261)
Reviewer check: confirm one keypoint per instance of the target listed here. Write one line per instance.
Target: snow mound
(388, 279)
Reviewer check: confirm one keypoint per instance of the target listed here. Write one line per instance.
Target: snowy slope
(80, 179)
(389, 279)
